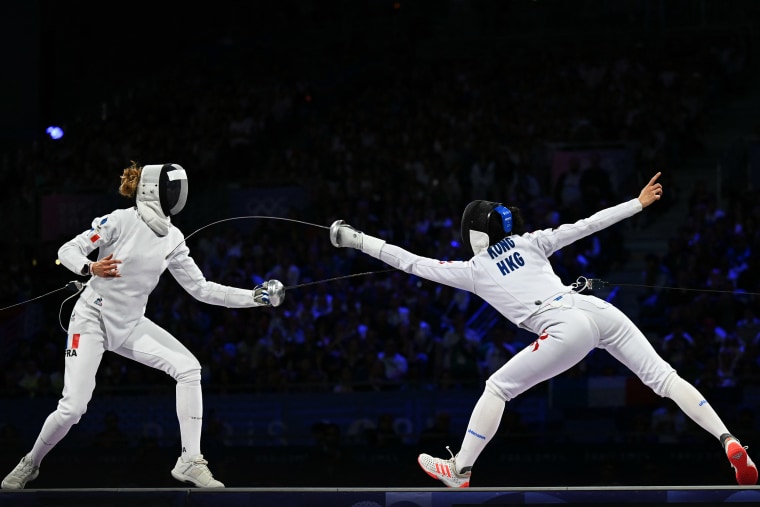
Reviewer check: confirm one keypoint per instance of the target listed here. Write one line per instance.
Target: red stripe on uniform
(75, 341)
(94, 238)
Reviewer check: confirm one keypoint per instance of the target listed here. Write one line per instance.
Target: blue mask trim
(506, 218)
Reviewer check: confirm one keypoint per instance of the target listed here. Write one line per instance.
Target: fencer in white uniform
(511, 271)
(135, 246)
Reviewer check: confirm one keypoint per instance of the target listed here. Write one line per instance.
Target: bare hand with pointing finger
(651, 192)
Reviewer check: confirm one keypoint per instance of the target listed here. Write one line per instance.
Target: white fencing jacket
(515, 275)
(122, 301)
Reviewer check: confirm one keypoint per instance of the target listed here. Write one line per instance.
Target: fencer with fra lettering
(135, 246)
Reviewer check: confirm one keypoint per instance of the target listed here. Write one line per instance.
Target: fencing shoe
(24, 472)
(746, 471)
(195, 472)
(444, 470)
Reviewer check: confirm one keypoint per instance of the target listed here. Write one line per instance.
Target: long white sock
(51, 433)
(190, 415)
(694, 405)
(484, 421)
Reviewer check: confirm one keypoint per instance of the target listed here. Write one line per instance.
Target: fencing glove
(343, 235)
(269, 293)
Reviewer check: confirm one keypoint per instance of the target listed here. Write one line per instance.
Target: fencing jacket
(515, 275)
(122, 301)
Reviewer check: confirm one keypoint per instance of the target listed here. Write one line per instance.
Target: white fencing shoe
(195, 472)
(24, 472)
(444, 470)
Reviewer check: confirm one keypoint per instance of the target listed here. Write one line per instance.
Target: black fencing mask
(485, 223)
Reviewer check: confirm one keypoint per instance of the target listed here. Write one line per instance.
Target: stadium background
(376, 112)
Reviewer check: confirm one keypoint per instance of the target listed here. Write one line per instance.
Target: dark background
(133, 75)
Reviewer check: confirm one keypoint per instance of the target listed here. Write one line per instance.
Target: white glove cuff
(372, 246)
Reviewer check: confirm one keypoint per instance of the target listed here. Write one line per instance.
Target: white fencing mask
(162, 192)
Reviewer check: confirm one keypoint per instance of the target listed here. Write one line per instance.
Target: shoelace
(452, 460)
(26, 468)
(201, 464)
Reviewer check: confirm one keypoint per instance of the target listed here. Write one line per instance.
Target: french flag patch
(95, 236)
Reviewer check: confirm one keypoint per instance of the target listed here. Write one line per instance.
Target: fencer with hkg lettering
(511, 271)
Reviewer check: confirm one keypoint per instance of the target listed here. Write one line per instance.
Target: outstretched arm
(651, 192)
(189, 276)
(456, 274)
(343, 235)
(551, 240)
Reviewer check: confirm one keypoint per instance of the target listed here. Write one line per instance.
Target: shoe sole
(746, 473)
(184, 480)
(434, 476)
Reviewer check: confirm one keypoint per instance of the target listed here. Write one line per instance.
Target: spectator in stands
(111, 436)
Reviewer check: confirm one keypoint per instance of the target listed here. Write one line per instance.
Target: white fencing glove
(269, 293)
(343, 235)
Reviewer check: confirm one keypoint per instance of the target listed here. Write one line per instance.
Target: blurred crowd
(397, 148)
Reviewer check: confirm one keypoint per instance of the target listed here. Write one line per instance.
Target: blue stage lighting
(54, 132)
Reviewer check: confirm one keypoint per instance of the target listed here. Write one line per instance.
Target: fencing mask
(485, 223)
(162, 192)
